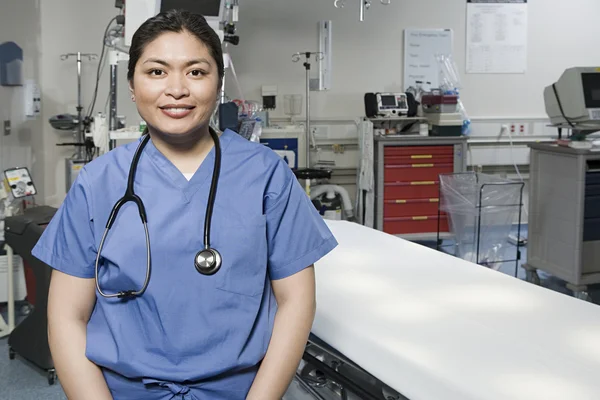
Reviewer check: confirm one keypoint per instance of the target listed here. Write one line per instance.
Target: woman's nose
(177, 87)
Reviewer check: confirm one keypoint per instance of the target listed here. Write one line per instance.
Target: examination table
(419, 324)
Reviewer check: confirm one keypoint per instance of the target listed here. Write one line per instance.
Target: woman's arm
(296, 311)
(70, 304)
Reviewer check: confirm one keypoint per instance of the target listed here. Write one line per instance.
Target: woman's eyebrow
(187, 64)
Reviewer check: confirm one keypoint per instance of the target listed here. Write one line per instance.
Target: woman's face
(175, 84)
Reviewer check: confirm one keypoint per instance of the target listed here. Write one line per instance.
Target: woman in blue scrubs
(236, 334)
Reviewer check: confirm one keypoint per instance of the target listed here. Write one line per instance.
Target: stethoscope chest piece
(207, 261)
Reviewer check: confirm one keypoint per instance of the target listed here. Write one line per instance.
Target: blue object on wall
(11, 64)
(287, 148)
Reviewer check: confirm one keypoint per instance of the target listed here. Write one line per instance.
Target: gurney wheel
(26, 309)
(582, 295)
(532, 277)
(11, 353)
(51, 376)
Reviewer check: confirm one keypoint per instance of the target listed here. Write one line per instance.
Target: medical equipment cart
(407, 169)
(29, 339)
(564, 216)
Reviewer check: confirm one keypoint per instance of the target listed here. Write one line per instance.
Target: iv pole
(307, 173)
(295, 58)
(364, 5)
(80, 133)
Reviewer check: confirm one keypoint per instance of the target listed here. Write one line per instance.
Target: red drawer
(415, 172)
(408, 225)
(411, 190)
(418, 159)
(410, 207)
(417, 150)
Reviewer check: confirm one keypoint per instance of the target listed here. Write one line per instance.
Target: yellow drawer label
(400, 201)
(422, 156)
(422, 165)
(434, 200)
(419, 218)
(422, 183)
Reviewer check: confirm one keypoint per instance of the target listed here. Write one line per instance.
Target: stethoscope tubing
(127, 293)
(131, 196)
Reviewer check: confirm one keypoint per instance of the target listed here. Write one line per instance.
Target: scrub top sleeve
(297, 234)
(67, 244)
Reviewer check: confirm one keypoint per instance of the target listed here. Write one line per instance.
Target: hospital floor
(19, 380)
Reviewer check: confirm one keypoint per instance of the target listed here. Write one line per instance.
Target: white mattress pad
(435, 327)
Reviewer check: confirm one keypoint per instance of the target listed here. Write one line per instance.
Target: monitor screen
(388, 101)
(207, 8)
(591, 89)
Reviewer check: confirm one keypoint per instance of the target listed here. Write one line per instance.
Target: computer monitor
(210, 9)
(575, 98)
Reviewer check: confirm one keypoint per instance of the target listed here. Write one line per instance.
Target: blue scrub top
(188, 332)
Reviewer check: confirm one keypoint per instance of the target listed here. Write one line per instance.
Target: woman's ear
(131, 91)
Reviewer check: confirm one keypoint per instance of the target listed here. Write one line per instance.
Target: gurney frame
(324, 369)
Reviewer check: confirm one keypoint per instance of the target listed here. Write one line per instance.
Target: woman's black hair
(175, 21)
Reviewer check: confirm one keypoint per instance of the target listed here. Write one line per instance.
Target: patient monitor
(574, 100)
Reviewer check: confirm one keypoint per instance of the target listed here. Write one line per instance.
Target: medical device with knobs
(207, 261)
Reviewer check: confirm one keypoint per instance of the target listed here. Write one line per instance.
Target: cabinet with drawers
(407, 170)
(564, 215)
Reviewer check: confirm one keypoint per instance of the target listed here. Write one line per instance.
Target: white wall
(19, 23)
(368, 56)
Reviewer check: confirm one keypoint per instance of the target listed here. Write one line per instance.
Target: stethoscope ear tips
(207, 261)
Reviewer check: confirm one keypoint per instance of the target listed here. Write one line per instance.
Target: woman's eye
(197, 72)
(156, 72)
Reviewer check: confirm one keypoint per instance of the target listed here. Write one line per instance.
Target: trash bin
(482, 210)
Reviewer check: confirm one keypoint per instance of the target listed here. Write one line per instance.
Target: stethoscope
(207, 261)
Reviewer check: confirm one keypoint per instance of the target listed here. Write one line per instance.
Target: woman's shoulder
(255, 155)
(113, 163)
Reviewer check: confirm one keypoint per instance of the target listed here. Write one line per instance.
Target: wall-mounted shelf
(124, 135)
(397, 119)
(519, 140)
(397, 125)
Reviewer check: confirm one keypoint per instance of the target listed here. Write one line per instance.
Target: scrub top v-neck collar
(202, 175)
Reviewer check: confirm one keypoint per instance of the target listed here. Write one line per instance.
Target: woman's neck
(186, 153)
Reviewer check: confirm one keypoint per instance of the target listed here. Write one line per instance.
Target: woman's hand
(295, 314)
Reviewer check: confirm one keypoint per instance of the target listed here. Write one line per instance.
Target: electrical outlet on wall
(518, 128)
(523, 129)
